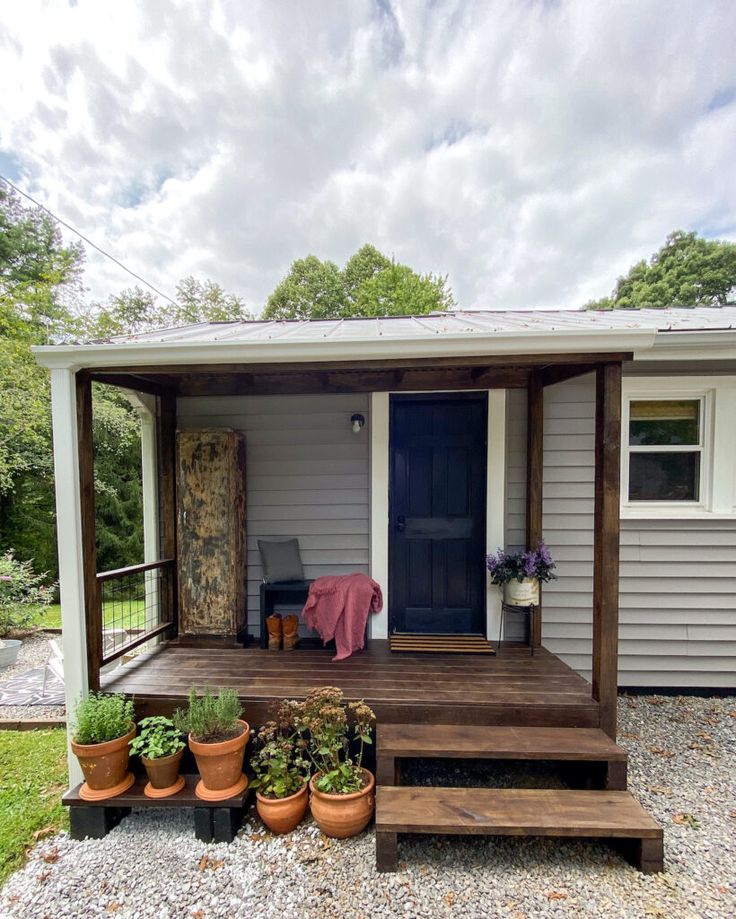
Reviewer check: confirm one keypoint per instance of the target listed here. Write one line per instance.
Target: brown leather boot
(291, 632)
(274, 626)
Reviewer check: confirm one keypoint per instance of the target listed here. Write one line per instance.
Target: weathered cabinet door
(211, 532)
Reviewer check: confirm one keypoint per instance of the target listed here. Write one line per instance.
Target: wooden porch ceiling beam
(606, 536)
(558, 373)
(157, 386)
(92, 604)
(175, 371)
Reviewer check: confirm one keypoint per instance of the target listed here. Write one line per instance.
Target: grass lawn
(51, 618)
(32, 779)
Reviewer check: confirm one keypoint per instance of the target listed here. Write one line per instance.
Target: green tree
(687, 271)
(371, 284)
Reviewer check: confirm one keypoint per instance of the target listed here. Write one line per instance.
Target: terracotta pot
(221, 766)
(163, 775)
(341, 816)
(105, 767)
(282, 815)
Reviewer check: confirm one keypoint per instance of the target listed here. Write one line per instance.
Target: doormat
(440, 644)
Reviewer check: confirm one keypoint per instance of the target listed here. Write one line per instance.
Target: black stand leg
(94, 822)
(203, 824)
(226, 822)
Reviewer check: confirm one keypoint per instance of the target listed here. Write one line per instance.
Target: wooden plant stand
(214, 821)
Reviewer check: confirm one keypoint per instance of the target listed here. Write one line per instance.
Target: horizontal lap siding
(306, 477)
(678, 578)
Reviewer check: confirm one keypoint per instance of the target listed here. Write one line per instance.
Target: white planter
(8, 652)
(521, 593)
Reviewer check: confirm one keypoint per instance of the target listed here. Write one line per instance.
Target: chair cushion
(281, 560)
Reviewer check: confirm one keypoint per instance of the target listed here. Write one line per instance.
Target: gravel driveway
(682, 767)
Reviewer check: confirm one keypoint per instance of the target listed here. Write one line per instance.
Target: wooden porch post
(534, 481)
(92, 602)
(167, 498)
(606, 542)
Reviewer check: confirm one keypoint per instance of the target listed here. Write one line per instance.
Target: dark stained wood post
(606, 542)
(92, 597)
(167, 502)
(534, 482)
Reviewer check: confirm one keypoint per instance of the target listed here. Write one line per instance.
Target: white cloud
(529, 150)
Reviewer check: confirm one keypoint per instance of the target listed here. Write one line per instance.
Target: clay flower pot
(163, 775)
(105, 767)
(220, 766)
(282, 815)
(341, 816)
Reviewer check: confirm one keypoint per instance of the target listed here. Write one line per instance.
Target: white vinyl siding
(306, 476)
(678, 577)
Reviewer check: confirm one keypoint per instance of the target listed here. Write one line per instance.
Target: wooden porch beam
(134, 382)
(92, 604)
(534, 481)
(606, 543)
(167, 501)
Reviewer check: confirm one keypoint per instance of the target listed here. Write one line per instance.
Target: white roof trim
(446, 344)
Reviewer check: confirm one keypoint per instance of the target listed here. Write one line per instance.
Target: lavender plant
(537, 564)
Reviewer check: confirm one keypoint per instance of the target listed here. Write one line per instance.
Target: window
(678, 455)
(665, 449)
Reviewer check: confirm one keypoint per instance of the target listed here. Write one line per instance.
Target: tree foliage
(687, 271)
(370, 284)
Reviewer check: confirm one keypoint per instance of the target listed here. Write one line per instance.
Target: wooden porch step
(395, 742)
(517, 812)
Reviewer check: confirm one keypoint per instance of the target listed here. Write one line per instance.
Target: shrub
(279, 763)
(210, 718)
(157, 738)
(100, 718)
(23, 595)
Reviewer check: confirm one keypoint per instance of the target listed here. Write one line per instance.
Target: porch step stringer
(592, 746)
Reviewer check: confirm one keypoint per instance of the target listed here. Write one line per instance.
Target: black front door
(437, 508)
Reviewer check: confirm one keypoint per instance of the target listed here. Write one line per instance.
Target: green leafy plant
(209, 718)
(100, 718)
(157, 738)
(329, 726)
(23, 594)
(280, 762)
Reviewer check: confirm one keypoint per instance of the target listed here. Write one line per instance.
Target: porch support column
(167, 497)
(534, 481)
(606, 542)
(69, 541)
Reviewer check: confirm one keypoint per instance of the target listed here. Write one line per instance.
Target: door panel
(437, 514)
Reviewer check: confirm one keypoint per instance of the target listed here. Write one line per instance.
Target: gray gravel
(683, 762)
(34, 652)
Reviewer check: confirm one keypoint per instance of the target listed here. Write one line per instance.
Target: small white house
(407, 448)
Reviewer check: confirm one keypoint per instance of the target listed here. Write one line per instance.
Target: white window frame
(717, 491)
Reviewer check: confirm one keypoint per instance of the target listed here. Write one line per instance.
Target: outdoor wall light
(357, 421)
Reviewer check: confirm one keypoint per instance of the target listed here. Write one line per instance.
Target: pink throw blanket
(338, 607)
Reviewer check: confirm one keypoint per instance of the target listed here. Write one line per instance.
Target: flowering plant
(23, 594)
(329, 725)
(280, 762)
(536, 564)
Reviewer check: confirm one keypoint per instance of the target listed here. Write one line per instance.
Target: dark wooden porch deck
(512, 688)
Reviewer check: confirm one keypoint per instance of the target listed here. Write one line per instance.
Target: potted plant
(103, 730)
(520, 573)
(160, 748)
(281, 772)
(217, 738)
(23, 595)
(342, 791)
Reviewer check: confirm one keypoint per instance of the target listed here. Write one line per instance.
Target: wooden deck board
(511, 688)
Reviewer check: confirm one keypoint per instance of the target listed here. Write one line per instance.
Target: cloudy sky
(529, 150)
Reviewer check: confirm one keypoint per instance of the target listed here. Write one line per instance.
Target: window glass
(664, 422)
(670, 476)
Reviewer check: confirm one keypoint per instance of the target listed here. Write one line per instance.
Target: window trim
(717, 492)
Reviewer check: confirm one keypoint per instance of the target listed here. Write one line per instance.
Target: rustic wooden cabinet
(210, 479)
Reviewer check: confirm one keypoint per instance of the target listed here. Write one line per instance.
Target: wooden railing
(136, 604)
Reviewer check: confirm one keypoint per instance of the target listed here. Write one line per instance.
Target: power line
(88, 241)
